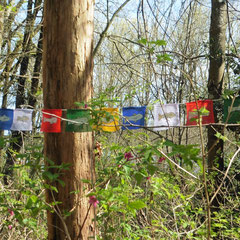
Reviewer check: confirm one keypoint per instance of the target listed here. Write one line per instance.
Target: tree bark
(216, 75)
(36, 72)
(215, 87)
(20, 97)
(67, 78)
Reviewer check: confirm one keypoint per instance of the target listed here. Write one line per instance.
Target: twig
(225, 175)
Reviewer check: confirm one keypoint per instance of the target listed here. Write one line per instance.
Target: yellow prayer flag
(109, 121)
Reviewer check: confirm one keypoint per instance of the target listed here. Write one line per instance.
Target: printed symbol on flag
(108, 120)
(79, 121)
(234, 115)
(50, 120)
(205, 110)
(234, 109)
(135, 117)
(4, 118)
(104, 120)
(22, 119)
(167, 115)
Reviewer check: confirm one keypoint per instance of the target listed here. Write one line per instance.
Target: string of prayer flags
(133, 116)
(6, 119)
(51, 120)
(80, 120)
(107, 119)
(234, 112)
(206, 109)
(110, 120)
(22, 120)
(166, 115)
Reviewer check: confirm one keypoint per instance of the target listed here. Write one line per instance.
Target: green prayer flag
(79, 120)
(234, 116)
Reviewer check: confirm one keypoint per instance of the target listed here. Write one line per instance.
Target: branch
(102, 35)
(225, 175)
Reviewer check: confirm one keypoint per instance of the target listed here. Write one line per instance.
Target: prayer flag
(51, 121)
(206, 109)
(22, 120)
(109, 121)
(133, 115)
(166, 115)
(6, 119)
(80, 119)
(234, 116)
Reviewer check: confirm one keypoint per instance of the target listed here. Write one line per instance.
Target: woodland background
(145, 52)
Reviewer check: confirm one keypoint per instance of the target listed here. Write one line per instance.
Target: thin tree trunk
(32, 100)
(1, 22)
(216, 74)
(215, 88)
(67, 78)
(20, 95)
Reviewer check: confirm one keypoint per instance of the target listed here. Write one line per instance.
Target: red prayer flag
(51, 121)
(206, 111)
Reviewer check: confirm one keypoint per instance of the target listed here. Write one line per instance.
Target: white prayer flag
(22, 120)
(166, 115)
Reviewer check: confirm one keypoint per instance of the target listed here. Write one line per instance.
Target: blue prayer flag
(6, 119)
(134, 116)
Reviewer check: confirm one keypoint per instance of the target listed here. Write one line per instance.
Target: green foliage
(22, 203)
(153, 48)
(141, 194)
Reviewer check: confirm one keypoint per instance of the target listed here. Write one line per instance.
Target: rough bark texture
(1, 23)
(216, 75)
(217, 48)
(67, 78)
(36, 72)
(215, 88)
(26, 46)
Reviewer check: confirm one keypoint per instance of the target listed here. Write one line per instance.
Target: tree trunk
(36, 72)
(1, 22)
(215, 88)
(20, 95)
(67, 78)
(216, 74)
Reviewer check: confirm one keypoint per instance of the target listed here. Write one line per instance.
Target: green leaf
(203, 111)
(61, 182)
(2, 142)
(159, 42)
(220, 136)
(139, 177)
(143, 41)
(163, 58)
(138, 204)
(35, 211)
(152, 169)
(193, 120)
(29, 203)
(148, 154)
(125, 199)
(54, 189)
(47, 186)
(86, 181)
(48, 175)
